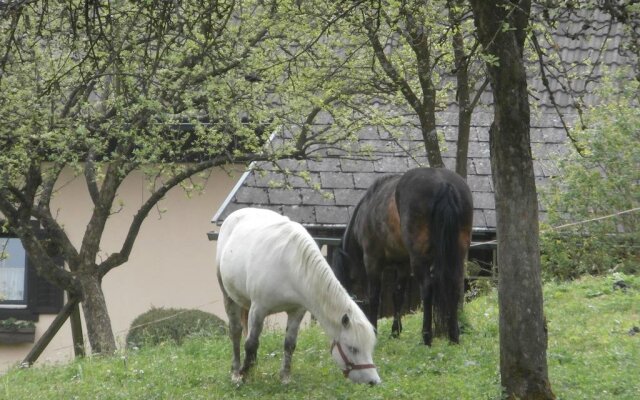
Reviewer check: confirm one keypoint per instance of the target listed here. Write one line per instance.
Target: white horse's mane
(332, 299)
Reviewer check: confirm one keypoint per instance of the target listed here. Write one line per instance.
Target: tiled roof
(342, 181)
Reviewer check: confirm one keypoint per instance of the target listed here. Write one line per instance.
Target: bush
(160, 325)
(604, 180)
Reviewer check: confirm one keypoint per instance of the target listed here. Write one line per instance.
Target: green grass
(591, 355)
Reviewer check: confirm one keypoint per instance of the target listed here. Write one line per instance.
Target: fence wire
(570, 224)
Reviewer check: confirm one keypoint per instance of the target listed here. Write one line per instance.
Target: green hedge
(160, 325)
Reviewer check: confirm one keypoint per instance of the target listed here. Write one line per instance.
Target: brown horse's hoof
(396, 329)
(426, 339)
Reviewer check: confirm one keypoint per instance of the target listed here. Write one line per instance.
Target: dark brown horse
(419, 224)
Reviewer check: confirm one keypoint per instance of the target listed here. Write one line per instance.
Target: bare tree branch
(122, 256)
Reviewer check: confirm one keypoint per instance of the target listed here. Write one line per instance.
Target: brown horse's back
(418, 195)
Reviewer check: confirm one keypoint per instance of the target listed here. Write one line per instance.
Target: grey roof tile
(325, 164)
(252, 195)
(303, 215)
(363, 180)
(482, 166)
(449, 163)
(323, 197)
(332, 215)
(351, 165)
(332, 180)
(296, 181)
(370, 132)
(284, 197)
(481, 132)
(479, 183)
(348, 197)
(267, 179)
(479, 150)
(292, 165)
(478, 218)
(391, 164)
(490, 218)
(484, 200)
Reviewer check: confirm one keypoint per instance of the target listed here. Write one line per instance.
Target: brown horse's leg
(464, 242)
(374, 276)
(398, 301)
(374, 300)
(426, 291)
(423, 275)
(454, 330)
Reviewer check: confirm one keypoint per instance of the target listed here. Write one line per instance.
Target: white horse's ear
(345, 321)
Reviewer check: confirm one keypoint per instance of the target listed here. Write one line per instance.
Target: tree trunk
(96, 317)
(430, 138)
(523, 336)
(462, 85)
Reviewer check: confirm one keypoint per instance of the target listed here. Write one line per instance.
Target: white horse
(267, 264)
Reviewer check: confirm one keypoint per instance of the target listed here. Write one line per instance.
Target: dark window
(23, 293)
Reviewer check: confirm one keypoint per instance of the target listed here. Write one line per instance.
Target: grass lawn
(593, 354)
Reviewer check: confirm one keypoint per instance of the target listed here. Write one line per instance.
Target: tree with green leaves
(424, 63)
(172, 89)
(599, 187)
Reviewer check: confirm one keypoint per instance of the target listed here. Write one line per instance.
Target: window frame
(48, 301)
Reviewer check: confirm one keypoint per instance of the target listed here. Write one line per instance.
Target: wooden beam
(55, 326)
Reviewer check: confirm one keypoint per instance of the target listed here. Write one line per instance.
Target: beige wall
(171, 265)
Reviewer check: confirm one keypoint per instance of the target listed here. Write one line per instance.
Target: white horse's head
(352, 350)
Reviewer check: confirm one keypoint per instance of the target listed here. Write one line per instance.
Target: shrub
(160, 325)
(604, 180)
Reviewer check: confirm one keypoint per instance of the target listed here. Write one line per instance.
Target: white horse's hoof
(236, 378)
(285, 379)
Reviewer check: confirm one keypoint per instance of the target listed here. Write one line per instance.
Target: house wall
(171, 265)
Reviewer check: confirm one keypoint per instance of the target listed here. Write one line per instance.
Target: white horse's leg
(256, 321)
(234, 313)
(235, 332)
(294, 318)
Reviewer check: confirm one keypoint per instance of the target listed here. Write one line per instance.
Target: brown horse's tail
(448, 269)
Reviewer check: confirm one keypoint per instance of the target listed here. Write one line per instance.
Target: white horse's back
(257, 256)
